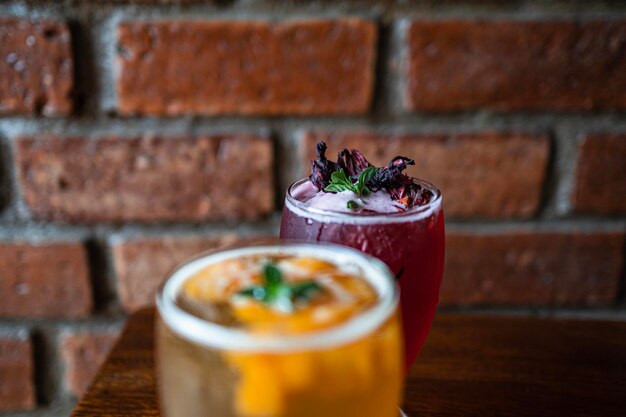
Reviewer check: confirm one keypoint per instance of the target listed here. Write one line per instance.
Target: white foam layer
(217, 336)
(379, 202)
(305, 201)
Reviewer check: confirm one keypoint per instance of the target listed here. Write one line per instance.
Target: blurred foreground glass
(351, 369)
(411, 243)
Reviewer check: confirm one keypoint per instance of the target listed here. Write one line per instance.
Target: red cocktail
(410, 242)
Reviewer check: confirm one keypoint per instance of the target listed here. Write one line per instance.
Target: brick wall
(133, 135)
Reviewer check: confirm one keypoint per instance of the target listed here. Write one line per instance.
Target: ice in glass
(280, 330)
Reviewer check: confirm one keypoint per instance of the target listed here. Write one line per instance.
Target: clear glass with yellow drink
(280, 330)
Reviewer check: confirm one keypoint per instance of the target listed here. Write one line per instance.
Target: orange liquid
(359, 378)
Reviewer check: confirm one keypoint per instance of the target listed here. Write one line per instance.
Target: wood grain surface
(470, 366)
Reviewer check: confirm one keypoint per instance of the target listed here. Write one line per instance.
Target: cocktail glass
(411, 243)
(353, 369)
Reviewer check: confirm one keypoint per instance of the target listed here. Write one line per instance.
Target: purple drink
(410, 242)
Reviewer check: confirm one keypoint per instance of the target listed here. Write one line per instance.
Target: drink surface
(409, 241)
(374, 203)
(224, 293)
(349, 376)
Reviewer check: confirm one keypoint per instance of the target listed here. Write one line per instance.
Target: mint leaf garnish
(364, 177)
(254, 292)
(304, 290)
(278, 294)
(339, 182)
(272, 276)
(352, 204)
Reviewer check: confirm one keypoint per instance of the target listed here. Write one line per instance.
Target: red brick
(142, 264)
(82, 353)
(513, 65)
(485, 174)
(600, 180)
(246, 67)
(44, 280)
(36, 67)
(17, 389)
(525, 268)
(147, 179)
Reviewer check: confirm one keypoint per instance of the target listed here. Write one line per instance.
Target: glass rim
(218, 336)
(416, 213)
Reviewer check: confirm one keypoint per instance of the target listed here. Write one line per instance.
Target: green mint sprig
(279, 294)
(339, 182)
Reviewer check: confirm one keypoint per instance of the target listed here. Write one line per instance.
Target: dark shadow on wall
(551, 183)
(87, 85)
(6, 187)
(103, 288)
(621, 289)
(45, 371)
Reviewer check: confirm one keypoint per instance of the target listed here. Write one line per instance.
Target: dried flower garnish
(279, 294)
(352, 161)
(400, 186)
(322, 168)
(354, 173)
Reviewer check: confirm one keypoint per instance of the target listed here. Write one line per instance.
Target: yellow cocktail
(287, 330)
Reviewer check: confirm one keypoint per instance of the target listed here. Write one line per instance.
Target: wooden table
(470, 366)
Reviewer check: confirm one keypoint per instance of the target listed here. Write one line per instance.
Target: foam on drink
(376, 202)
(336, 352)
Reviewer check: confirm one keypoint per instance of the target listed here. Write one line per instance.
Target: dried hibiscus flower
(322, 168)
(353, 172)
